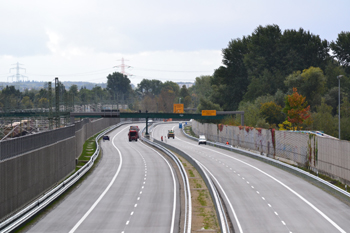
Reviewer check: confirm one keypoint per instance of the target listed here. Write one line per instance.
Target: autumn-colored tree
(296, 109)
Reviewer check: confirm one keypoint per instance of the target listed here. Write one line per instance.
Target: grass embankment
(203, 210)
(89, 148)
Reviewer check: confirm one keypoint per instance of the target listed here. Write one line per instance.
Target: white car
(202, 140)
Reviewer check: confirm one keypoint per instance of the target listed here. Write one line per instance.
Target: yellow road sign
(178, 108)
(208, 112)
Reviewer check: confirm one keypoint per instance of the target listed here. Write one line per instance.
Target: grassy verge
(89, 148)
(188, 130)
(203, 210)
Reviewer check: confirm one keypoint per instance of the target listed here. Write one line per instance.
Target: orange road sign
(208, 112)
(178, 108)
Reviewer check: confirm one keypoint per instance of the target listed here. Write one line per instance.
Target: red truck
(133, 133)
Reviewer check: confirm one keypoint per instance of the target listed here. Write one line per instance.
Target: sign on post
(208, 112)
(178, 108)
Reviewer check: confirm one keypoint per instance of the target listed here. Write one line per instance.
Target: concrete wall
(27, 175)
(323, 155)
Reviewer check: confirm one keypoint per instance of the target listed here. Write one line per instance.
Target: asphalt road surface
(132, 189)
(263, 198)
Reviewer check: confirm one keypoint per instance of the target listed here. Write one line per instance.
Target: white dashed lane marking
(263, 198)
(138, 198)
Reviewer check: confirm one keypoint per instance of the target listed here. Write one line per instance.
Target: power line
(77, 74)
(172, 71)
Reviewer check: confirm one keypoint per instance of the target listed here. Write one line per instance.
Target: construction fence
(320, 154)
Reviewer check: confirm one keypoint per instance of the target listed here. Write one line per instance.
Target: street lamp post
(339, 77)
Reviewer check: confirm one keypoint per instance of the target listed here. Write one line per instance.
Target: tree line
(262, 70)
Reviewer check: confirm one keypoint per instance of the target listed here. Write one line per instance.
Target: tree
(187, 101)
(43, 103)
(323, 119)
(279, 98)
(10, 97)
(263, 50)
(184, 91)
(341, 49)
(331, 72)
(262, 85)
(345, 119)
(202, 86)
(296, 109)
(205, 104)
(153, 86)
(149, 104)
(230, 81)
(166, 100)
(169, 85)
(118, 86)
(27, 102)
(98, 94)
(73, 90)
(85, 95)
(271, 112)
(311, 83)
(301, 49)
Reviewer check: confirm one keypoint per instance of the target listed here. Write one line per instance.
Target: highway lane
(263, 198)
(132, 189)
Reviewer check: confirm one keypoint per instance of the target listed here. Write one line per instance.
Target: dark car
(105, 137)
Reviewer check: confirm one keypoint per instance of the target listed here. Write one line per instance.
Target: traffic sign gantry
(178, 108)
(208, 112)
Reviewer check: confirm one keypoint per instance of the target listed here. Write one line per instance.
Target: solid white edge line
(105, 191)
(189, 223)
(174, 186)
(223, 191)
(284, 185)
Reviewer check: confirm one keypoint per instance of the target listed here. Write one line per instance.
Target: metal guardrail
(187, 191)
(209, 183)
(295, 170)
(37, 205)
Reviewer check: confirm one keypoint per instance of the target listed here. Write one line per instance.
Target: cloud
(166, 40)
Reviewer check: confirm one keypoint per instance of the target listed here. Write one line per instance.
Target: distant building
(187, 84)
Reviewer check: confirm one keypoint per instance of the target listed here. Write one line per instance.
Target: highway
(132, 189)
(260, 197)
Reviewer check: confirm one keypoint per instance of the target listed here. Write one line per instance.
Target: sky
(85, 40)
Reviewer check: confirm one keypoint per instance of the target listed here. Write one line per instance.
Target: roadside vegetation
(203, 210)
(89, 149)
